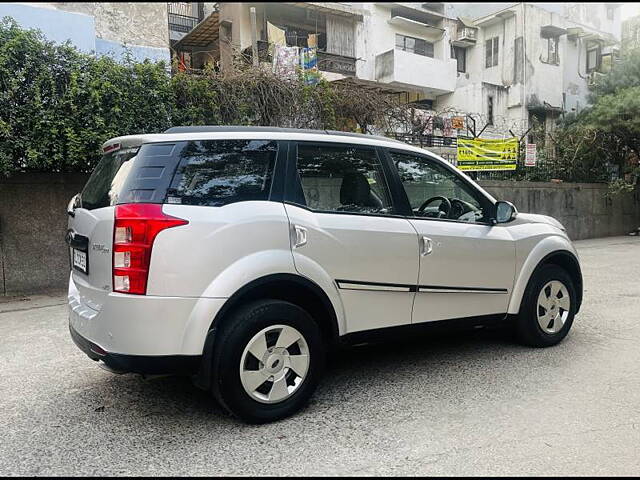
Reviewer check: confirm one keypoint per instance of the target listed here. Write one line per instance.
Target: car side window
(434, 191)
(342, 179)
(219, 172)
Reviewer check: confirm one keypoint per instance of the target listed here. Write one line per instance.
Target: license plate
(80, 260)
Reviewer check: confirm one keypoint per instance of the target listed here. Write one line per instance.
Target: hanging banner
(530, 159)
(477, 154)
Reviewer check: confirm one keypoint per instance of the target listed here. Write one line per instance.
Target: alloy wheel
(274, 364)
(554, 304)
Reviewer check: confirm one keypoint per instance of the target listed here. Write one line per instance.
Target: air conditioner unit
(594, 77)
(467, 34)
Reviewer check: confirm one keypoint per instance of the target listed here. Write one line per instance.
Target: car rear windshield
(104, 184)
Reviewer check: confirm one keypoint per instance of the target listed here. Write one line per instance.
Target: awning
(370, 85)
(606, 38)
(544, 107)
(550, 31)
(420, 27)
(467, 22)
(202, 35)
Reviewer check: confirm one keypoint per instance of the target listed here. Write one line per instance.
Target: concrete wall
(132, 23)
(33, 223)
(582, 208)
(100, 27)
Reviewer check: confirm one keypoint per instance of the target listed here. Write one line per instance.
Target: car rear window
(218, 172)
(104, 185)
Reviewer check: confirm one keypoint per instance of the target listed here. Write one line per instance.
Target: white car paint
(196, 268)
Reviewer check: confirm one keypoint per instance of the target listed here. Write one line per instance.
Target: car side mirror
(73, 204)
(504, 212)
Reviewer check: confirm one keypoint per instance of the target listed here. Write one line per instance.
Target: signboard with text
(478, 154)
(530, 159)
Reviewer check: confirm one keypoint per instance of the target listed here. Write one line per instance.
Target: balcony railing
(329, 62)
(183, 17)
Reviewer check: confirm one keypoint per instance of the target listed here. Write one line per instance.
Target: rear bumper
(140, 325)
(143, 364)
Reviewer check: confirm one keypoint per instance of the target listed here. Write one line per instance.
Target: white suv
(241, 255)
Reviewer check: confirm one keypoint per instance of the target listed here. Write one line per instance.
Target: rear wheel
(267, 361)
(548, 307)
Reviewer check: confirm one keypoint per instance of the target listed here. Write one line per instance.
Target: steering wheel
(444, 200)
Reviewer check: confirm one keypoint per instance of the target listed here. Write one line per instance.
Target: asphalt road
(471, 404)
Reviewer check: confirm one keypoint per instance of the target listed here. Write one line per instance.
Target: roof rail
(227, 128)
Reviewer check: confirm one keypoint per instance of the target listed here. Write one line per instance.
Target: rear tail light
(135, 228)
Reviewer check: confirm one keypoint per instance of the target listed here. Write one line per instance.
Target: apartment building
(530, 61)
(631, 33)
(500, 66)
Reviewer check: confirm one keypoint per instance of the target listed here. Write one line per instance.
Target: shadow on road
(352, 372)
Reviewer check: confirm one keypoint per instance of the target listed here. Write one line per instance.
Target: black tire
(235, 334)
(527, 328)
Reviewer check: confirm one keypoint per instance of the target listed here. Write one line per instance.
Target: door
(347, 233)
(90, 227)
(467, 265)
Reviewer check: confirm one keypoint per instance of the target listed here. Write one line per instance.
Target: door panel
(372, 260)
(469, 272)
(467, 266)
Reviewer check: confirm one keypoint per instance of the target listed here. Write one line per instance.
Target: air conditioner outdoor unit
(594, 77)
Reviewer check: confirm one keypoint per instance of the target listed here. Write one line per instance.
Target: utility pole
(254, 36)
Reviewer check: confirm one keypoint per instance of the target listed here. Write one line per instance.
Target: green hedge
(59, 105)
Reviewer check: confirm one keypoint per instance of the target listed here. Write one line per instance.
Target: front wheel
(548, 307)
(268, 360)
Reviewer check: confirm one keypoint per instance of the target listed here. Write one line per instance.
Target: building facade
(105, 28)
(502, 67)
(631, 33)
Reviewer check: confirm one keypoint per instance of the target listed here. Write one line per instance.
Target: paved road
(466, 404)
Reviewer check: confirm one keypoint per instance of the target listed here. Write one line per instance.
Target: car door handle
(427, 246)
(299, 236)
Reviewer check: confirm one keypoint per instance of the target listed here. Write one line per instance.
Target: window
(610, 12)
(490, 110)
(552, 51)
(424, 180)
(218, 172)
(491, 57)
(104, 184)
(414, 45)
(342, 179)
(594, 56)
(460, 54)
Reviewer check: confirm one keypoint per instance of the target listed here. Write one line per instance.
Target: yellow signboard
(487, 154)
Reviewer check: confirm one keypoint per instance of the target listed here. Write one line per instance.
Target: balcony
(184, 16)
(409, 70)
(327, 62)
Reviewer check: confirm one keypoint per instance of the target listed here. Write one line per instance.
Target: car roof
(185, 133)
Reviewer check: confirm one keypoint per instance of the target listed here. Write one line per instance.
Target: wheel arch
(281, 286)
(565, 259)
